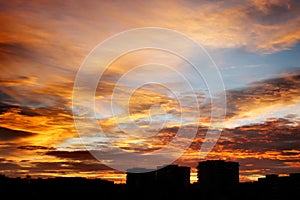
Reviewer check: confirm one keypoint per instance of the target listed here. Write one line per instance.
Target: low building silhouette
(272, 186)
(278, 186)
(169, 176)
(138, 178)
(64, 187)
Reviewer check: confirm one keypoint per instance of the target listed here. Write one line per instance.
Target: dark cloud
(32, 111)
(31, 100)
(67, 166)
(5, 107)
(16, 50)
(285, 90)
(9, 166)
(277, 135)
(9, 134)
(29, 112)
(260, 149)
(73, 155)
(51, 167)
(264, 166)
(163, 138)
(6, 100)
(268, 13)
(32, 147)
(291, 153)
(8, 149)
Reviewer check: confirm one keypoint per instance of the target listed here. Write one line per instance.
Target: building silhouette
(218, 179)
(173, 176)
(170, 176)
(63, 187)
(218, 174)
(138, 178)
(272, 186)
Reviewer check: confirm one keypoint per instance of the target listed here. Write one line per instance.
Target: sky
(253, 44)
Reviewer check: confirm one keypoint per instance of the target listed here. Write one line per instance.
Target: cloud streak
(263, 98)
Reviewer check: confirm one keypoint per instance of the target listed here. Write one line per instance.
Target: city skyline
(217, 179)
(210, 173)
(254, 44)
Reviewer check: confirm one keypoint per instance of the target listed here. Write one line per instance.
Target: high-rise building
(218, 174)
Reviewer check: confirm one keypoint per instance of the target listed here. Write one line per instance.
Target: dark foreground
(268, 188)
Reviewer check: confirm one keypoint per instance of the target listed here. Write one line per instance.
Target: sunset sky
(254, 43)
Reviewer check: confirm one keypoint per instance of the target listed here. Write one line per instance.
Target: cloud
(270, 147)
(276, 92)
(11, 50)
(274, 11)
(33, 147)
(262, 148)
(277, 134)
(73, 155)
(259, 26)
(25, 93)
(19, 80)
(9, 134)
(52, 168)
(6, 99)
(9, 166)
(67, 167)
